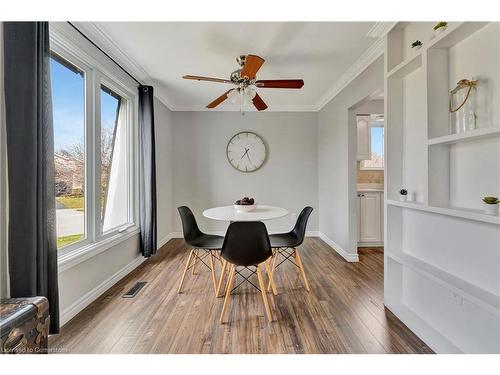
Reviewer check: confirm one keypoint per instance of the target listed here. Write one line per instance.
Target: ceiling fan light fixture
(250, 92)
(233, 96)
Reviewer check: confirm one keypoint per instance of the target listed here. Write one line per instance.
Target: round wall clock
(246, 151)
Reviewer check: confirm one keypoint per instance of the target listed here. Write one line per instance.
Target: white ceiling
(320, 53)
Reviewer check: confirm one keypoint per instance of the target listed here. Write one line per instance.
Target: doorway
(367, 173)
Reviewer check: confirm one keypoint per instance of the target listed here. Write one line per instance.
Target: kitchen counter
(370, 187)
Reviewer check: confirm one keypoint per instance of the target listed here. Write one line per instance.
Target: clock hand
(246, 153)
(248, 156)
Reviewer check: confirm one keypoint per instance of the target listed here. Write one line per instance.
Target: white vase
(402, 198)
(490, 209)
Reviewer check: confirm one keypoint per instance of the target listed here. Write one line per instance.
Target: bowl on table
(244, 207)
(245, 204)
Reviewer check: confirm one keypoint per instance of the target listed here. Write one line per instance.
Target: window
(94, 148)
(114, 161)
(377, 147)
(68, 93)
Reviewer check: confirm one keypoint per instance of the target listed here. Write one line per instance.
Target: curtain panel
(147, 171)
(32, 245)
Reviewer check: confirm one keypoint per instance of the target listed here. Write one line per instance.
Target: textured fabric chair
(286, 245)
(246, 245)
(203, 245)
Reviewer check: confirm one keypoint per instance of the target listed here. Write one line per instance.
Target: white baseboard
(165, 239)
(428, 334)
(81, 303)
(177, 235)
(92, 295)
(350, 257)
(370, 244)
(222, 233)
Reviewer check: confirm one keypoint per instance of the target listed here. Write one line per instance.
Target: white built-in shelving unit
(442, 253)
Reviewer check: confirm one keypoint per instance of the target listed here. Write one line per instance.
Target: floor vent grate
(135, 289)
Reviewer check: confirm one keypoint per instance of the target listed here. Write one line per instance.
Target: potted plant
(417, 44)
(490, 205)
(403, 195)
(440, 26)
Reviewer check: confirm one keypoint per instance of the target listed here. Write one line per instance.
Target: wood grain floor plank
(343, 312)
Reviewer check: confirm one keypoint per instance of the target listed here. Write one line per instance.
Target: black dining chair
(203, 245)
(286, 245)
(246, 245)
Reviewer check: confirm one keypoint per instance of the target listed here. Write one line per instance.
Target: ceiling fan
(245, 81)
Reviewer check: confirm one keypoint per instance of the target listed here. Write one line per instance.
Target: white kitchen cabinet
(364, 138)
(370, 218)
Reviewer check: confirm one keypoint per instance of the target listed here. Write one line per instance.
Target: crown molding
(365, 60)
(380, 29)
(99, 36)
(104, 41)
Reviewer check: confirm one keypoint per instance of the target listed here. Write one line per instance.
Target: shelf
(454, 34)
(406, 67)
(465, 213)
(432, 337)
(471, 135)
(462, 287)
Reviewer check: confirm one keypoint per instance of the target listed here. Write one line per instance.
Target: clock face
(246, 152)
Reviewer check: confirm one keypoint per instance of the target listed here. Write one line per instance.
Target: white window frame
(373, 124)
(103, 80)
(98, 70)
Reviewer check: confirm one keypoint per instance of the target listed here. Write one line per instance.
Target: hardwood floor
(343, 313)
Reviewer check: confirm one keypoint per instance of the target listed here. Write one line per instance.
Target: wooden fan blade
(259, 103)
(252, 66)
(210, 79)
(219, 100)
(280, 83)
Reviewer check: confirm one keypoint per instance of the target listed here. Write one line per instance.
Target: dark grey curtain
(30, 154)
(147, 171)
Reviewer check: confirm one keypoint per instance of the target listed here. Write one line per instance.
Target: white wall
(164, 170)
(204, 178)
(337, 161)
(81, 284)
(372, 107)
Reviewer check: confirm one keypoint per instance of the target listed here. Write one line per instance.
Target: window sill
(77, 256)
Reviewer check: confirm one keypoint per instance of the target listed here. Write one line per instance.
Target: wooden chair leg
(273, 268)
(195, 260)
(212, 271)
(221, 279)
(228, 292)
(185, 270)
(301, 268)
(264, 294)
(270, 275)
(228, 271)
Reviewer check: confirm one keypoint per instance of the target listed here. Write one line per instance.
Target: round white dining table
(229, 213)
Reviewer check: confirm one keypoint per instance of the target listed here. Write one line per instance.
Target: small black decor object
(403, 195)
(416, 44)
